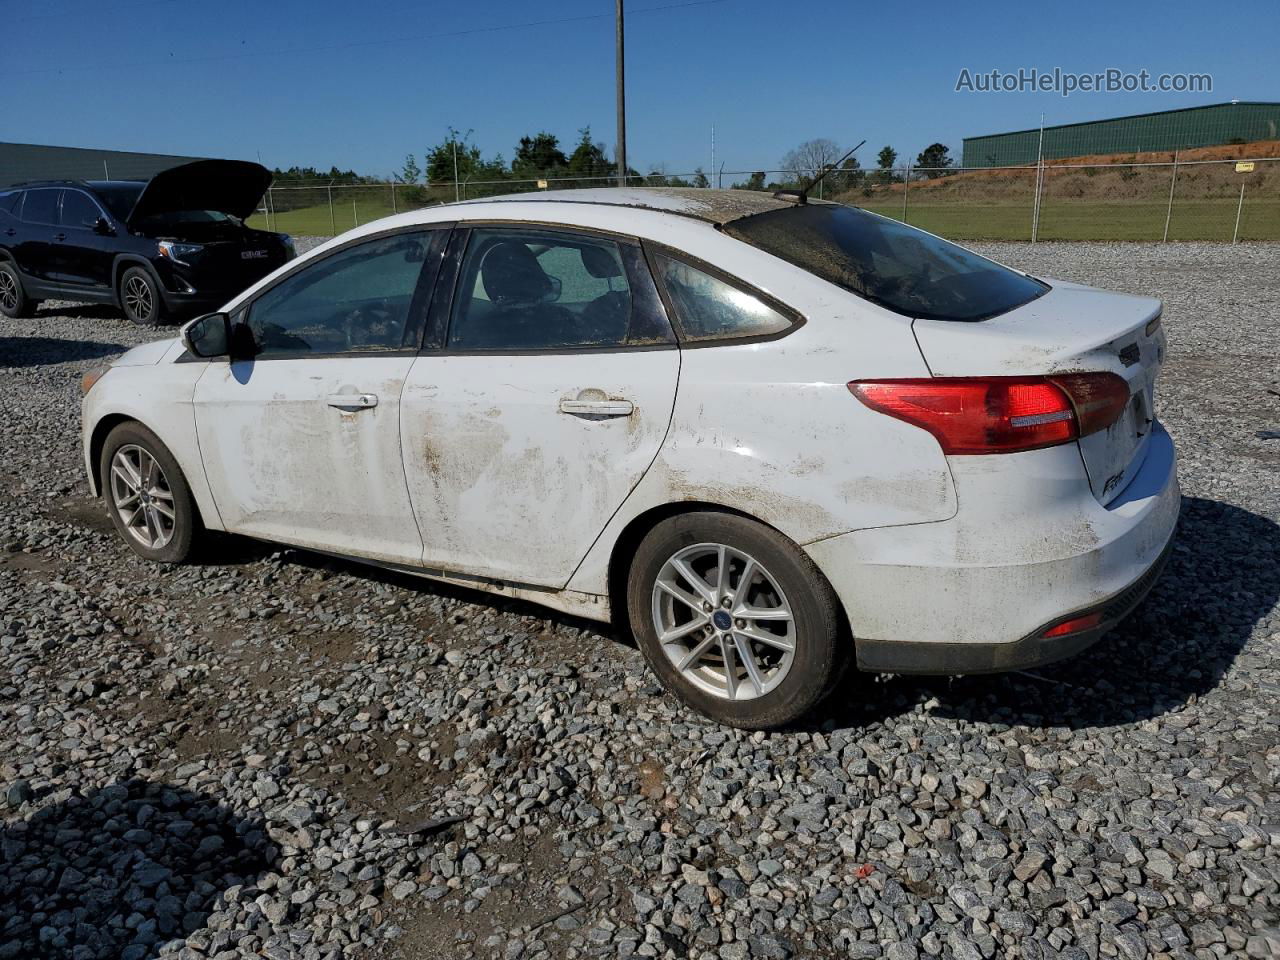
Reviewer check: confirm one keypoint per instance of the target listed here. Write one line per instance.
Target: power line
(356, 44)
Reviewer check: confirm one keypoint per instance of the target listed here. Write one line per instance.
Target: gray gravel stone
(275, 754)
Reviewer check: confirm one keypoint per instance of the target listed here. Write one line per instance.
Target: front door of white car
(301, 443)
(543, 405)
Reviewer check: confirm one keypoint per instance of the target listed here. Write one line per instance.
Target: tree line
(456, 158)
(803, 165)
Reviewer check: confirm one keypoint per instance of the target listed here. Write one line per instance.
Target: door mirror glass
(102, 226)
(208, 336)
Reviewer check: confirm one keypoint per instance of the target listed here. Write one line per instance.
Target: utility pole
(622, 103)
(457, 195)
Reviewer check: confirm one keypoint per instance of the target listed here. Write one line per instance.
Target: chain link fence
(1221, 200)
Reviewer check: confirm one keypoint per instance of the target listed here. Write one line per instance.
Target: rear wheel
(14, 302)
(140, 298)
(735, 619)
(147, 495)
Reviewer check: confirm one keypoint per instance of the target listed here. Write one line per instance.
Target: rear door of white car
(541, 398)
(301, 444)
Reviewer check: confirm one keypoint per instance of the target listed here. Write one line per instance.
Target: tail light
(972, 415)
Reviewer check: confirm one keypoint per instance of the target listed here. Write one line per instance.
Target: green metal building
(1211, 126)
(20, 162)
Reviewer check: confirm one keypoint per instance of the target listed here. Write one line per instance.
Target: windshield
(119, 198)
(171, 217)
(889, 263)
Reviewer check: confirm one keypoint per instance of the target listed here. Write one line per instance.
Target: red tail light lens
(975, 415)
(1099, 398)
(1074, 625)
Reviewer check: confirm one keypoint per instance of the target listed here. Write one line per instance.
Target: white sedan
(772, 437)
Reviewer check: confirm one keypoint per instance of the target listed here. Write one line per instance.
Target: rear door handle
(59, 236)
(352, 401)
(598, 408)
(11, 232)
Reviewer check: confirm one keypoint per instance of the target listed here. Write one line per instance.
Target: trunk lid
(227, 186)
(1072, 328)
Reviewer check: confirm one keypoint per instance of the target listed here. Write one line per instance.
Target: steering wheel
(360, 325)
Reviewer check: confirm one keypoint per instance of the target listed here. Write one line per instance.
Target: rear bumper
(1034, 650)
(1029, 547)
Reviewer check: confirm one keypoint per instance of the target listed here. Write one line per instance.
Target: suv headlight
(178, 252)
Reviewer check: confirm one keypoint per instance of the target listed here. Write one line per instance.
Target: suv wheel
(147, 495)
(14, 302)
(735, 619)
(140, 298)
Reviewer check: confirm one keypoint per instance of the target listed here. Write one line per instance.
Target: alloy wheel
(723, 621)
(142, 496)
(138, 298)
(8, 291)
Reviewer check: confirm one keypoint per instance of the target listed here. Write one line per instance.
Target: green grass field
(1059, 219)
(1092, 220)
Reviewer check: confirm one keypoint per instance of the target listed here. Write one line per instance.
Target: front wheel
(14, 302)
(735, 619)
(147, 496)
(140, 298)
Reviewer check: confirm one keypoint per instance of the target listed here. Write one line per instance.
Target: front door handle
(11, 232)
(59, 236)
(598, 408)
(352, 401)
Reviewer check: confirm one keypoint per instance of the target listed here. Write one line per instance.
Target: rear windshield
(889, 263)
(119, 198)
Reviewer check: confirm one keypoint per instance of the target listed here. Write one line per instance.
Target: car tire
(140, 298)
(14, 302)
(783, 582)
(148, 531)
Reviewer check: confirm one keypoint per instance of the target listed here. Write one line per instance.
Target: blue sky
(245, 78)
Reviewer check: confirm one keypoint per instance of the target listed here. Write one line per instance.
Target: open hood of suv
(228, 186)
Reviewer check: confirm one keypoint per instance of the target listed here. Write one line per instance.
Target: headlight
(178, 252)
(290, 250)
(90, 378)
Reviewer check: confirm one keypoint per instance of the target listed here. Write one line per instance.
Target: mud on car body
(772, 439)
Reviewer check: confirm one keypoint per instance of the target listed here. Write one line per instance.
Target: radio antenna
(802, 196)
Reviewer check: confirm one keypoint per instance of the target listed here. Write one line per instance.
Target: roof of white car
(712, 206)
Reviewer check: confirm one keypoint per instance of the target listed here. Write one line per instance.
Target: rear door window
(889, 263)
(534, 290)
(9, 200)
(41, 206)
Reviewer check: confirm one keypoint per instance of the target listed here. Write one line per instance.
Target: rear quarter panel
(770, 429)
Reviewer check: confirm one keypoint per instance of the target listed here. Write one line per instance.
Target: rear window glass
(896, 266)
(41, 206)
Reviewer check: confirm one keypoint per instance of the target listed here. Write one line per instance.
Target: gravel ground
(275, 755)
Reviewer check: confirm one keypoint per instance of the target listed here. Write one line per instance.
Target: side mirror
(103, 227)
(208, 336)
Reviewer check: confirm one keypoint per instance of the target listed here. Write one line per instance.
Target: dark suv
(171, 247)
